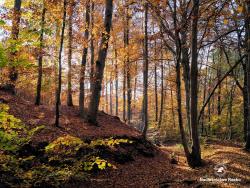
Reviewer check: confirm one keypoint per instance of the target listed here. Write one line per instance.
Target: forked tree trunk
(58, 93)
(40, 59)
(100, 65)
(84, 61)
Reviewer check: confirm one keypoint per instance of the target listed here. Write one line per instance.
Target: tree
(13, 74)
(40, 58)
(59, 87)
(84, 60)
(100, 65)
(196, 153)
(145, 74)
(247, 25)
(70, 39)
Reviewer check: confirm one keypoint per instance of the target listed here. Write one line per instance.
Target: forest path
(216, 154)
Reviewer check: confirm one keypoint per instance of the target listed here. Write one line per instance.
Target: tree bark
(100, 65)
(92, 48)
(196, 152)
(128, 66)
(59, 88)
(162, 93)
(40, 59)
(111, 92)
(116, 85)
(70, 35)
(13, 74)
(247, 24)
(186, 75)
(84, 61)
(145, 74)
(155, 84)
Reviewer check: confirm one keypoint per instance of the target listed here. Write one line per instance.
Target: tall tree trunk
(40, 59)
(84, 61)
(58, 93)
(13, 74)
(196, 152)
(106, 93)
(70, 35)
(162, 92)
(245, 101)
(92, 48)
(135, 85)
(186, 75)
(100, 64)
(124, 91)
(156, 82)
(116, 84)
(230, 110)
(178, 86)
(145, 74)
(128, 66)
(179, 107)
(219, 87)
(247, 24)
(111, 92)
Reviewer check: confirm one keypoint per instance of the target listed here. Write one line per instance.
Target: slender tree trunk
(245, 102)
(40, 59)
(111, 92)
(124, 92)
(156, 90)
(58, 93)
(92, 48)
(70, 35)
(106, 93)
(230, 110)
(116, 85)
(145, 74)
(84, 61)
(162, 92)
(204, 99)
(100, 64)
(219, 87)
(128, 66)
(135, 85)
(196, 152)
(13, 74)
(247, 24)
(186, 75)
(179, 109)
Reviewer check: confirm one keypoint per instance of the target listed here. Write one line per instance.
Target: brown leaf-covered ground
(143, 171)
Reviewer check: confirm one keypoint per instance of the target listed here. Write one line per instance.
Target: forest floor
(154, 170)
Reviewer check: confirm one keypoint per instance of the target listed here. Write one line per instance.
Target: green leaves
(2, 22)
(100, 163)
(3, 57)
(13, 133)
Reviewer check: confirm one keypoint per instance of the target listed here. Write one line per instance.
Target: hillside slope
(140, 164)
